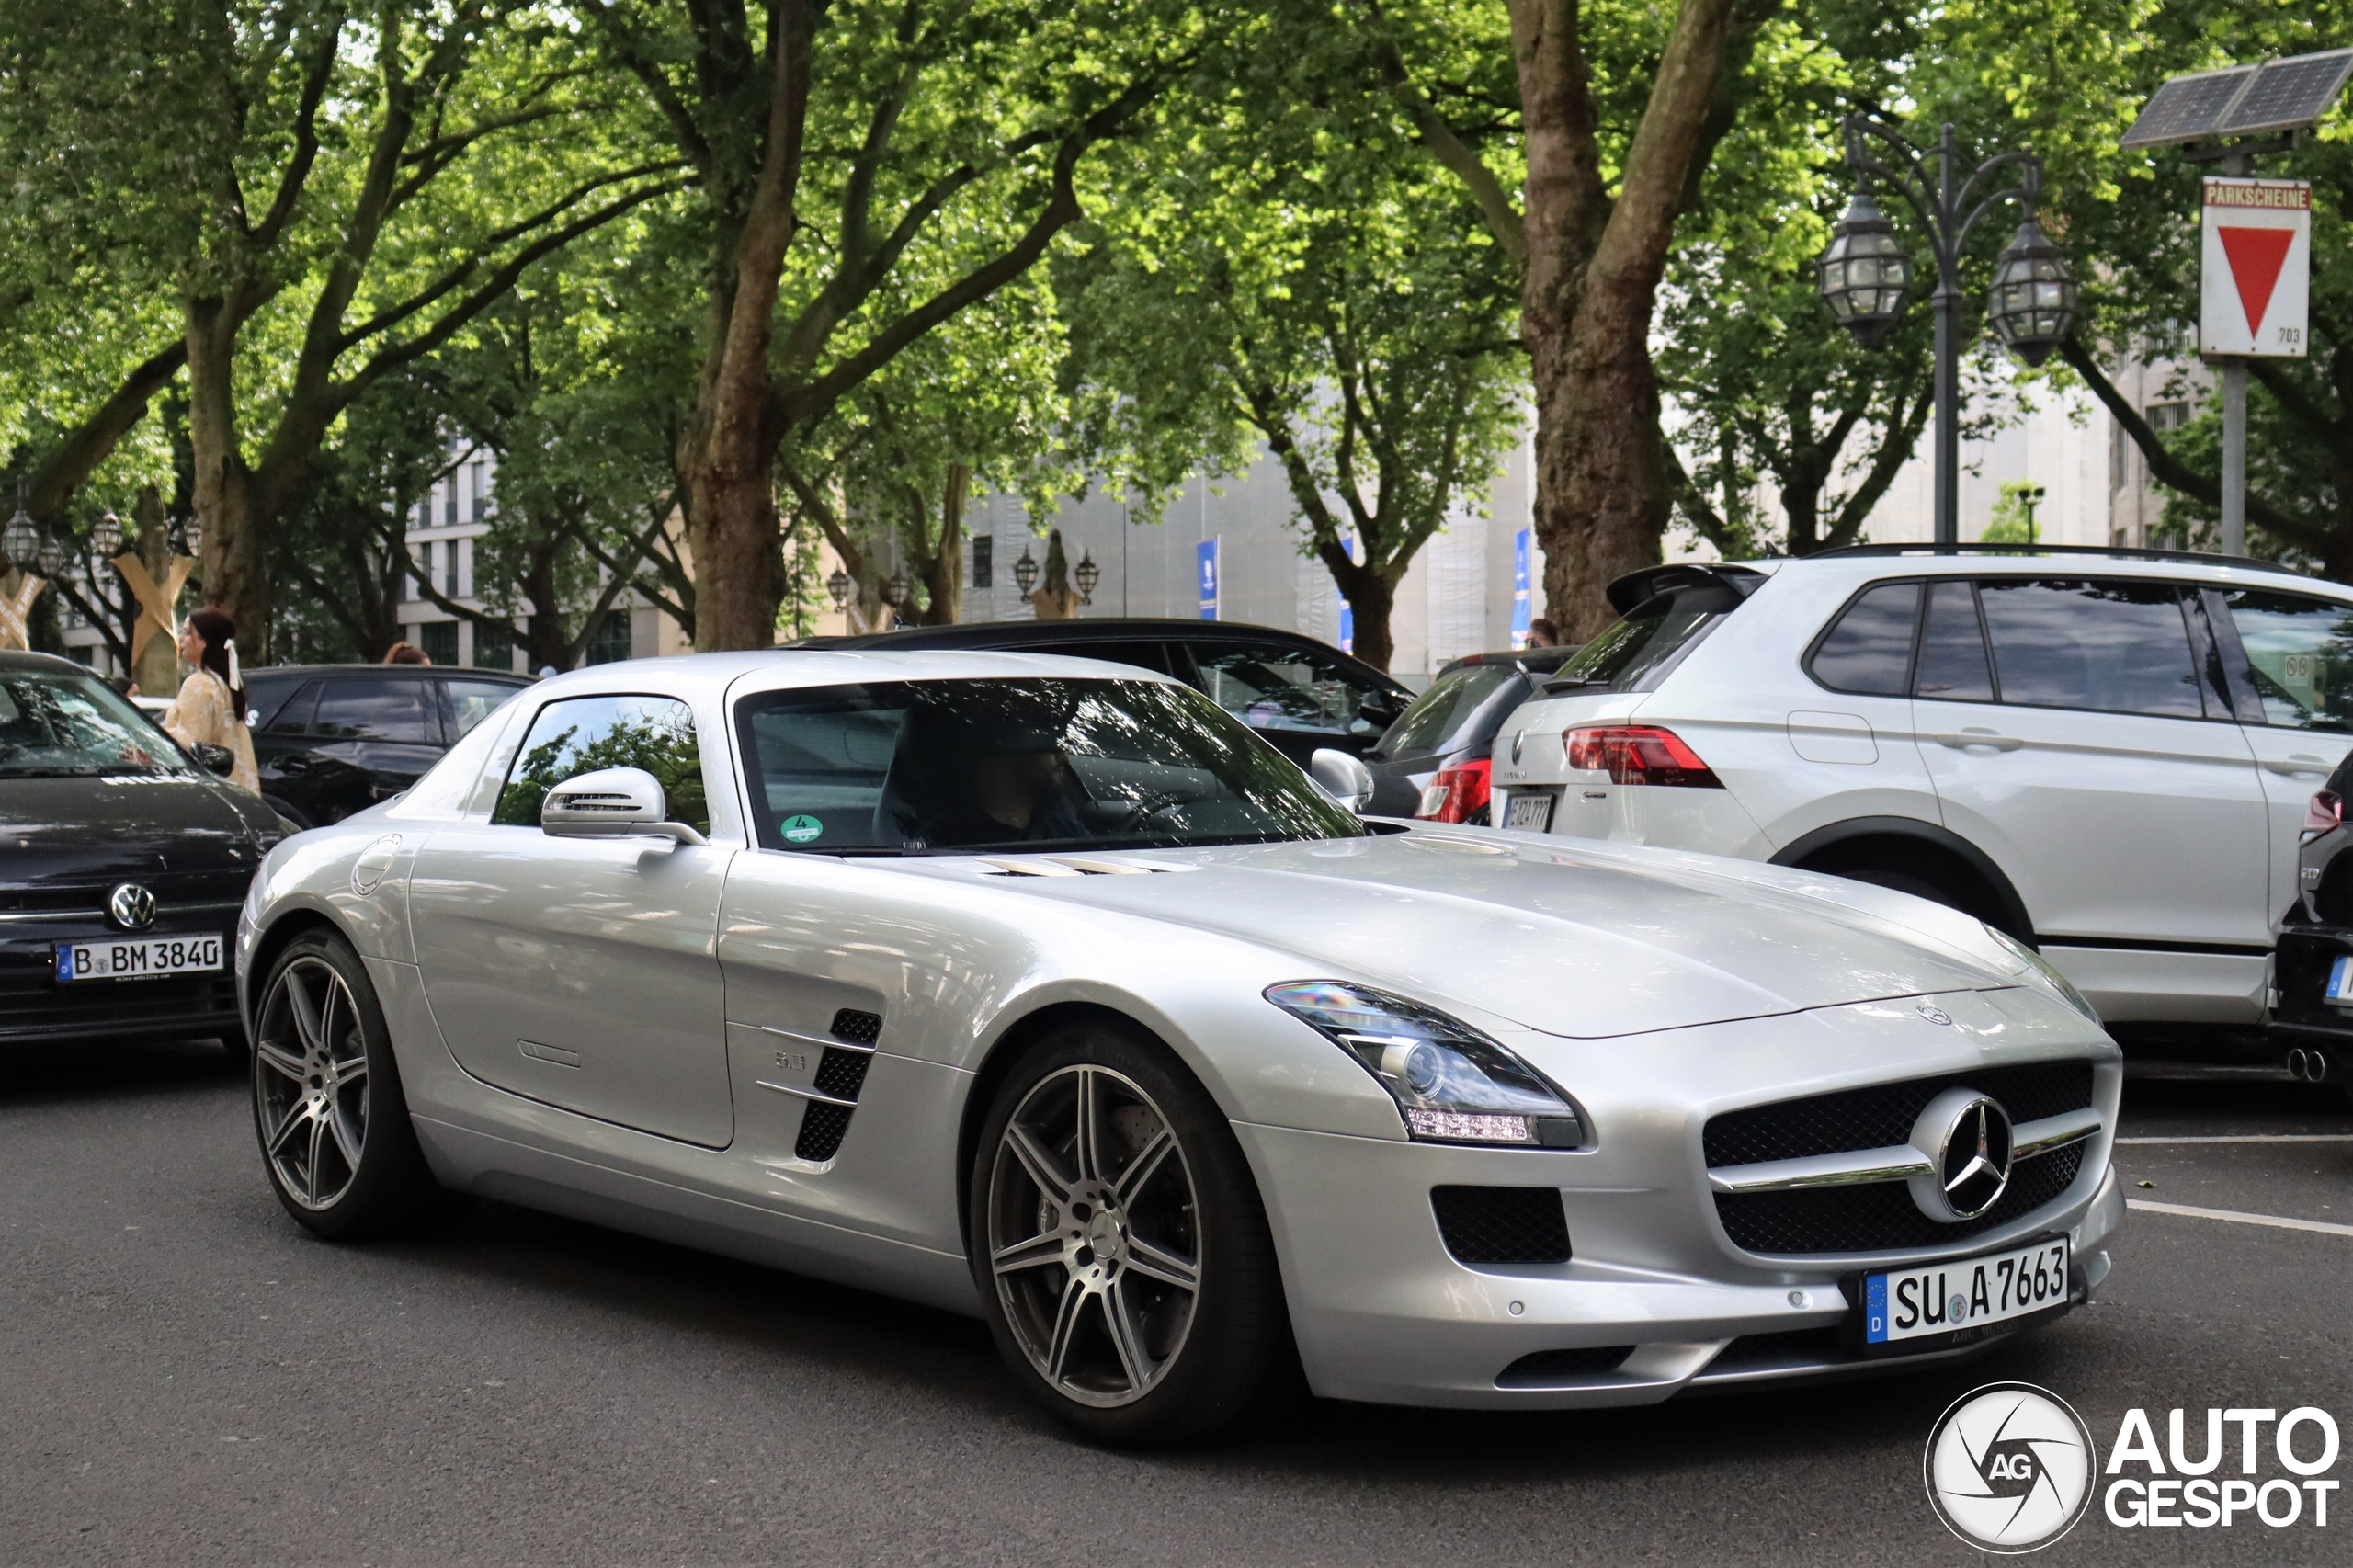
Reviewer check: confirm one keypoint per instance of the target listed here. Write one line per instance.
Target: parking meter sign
(2257, 273)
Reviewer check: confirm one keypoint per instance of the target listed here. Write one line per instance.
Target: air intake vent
(856, 1027)
(822, 1127)
(1502, 1224)
(1551, 1368)
(841, 1074)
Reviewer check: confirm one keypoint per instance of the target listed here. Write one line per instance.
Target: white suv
(2105, 753)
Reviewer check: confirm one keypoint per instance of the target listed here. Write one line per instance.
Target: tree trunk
(943, 568)
(1602, 488)
(235, 562)
(1371, 595)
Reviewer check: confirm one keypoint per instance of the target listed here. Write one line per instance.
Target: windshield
(1026, 764)
(1636, 652)
(54, 724)
(1448, 716)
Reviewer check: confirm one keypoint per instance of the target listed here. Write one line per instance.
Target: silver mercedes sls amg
(1042, 989)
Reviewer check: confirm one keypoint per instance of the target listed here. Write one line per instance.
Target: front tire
(1120, 1244)
(334, 1126)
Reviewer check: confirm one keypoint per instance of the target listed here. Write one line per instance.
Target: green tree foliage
(1314, 289)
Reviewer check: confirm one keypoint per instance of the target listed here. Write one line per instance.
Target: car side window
(471, 701)
(294, 715)
(1868, 650)
(582, 734)
(2300, 656)
(1282, 689)
(1953, 648)
(399, 711)
(2114, 646)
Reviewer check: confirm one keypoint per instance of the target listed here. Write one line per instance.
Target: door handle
(2297, 767)
(1968, 738)
(293, 765)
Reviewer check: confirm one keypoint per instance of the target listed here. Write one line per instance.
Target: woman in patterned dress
(210, 707)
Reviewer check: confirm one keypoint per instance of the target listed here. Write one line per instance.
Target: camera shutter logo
(2009, 1468)
(132, 906)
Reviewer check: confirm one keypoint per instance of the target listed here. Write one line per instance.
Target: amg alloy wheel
(1092, 1235)
(328, 1110)
(1120, 1244)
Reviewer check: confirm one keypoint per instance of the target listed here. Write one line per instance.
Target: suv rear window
(1635, 653)
(1442, 718)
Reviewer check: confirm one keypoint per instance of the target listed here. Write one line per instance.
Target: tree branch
(1503, 219)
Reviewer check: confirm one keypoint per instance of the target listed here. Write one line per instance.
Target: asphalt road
(187, 1379)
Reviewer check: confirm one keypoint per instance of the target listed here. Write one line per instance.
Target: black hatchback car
(329, 740)
(1301, 695)
(122, 865)
(2313, 964)
(1433, 761)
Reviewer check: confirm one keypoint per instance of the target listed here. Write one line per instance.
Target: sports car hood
(1583, 943)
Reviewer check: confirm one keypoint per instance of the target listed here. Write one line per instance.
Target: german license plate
(2340, 979)
(1975, 1292)
(140, 960)
(1530, 809)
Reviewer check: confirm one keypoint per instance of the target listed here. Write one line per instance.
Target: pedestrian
(210, 708)
(406, 653)
(1542, 633)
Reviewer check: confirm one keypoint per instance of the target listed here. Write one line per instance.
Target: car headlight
(1452, 1084)
(2029, 958)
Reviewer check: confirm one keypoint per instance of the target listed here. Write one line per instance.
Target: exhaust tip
(2296, 1064)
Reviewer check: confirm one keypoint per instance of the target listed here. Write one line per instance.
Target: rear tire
(1120, 1245)
(333, 1123)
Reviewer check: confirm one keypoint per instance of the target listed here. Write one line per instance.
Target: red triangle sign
(2257, 256)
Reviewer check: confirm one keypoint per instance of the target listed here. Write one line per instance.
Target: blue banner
(1205, 555)
(1521, 544)
(1348, 628)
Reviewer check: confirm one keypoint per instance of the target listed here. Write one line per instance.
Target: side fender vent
(841, 1074)
(856, 1027)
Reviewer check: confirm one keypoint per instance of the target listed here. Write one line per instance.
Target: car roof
(398, 672)
(17, 659)
(712, 676)
(1862, 561)
(1098, 629)
(1540, 659)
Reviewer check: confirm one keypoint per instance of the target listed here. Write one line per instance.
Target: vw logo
(131, 906)
(1967, 1138)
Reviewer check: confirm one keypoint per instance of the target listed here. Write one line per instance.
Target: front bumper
(36, 1009)
(1384, 1314)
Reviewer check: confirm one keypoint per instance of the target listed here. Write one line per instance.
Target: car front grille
(1881, 1115)
(1502, 1224)
(1881, 1216)
(32, 1003)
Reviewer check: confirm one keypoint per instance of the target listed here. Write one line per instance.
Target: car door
(2094, 759)
(583, 973)
(2291, 658)
(282, 753)
(370, 737)
(1297, 701)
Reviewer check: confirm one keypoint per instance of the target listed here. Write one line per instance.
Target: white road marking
(2253, 1138)
(2276, 1221)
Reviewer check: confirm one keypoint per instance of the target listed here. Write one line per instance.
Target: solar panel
(2243, 100)
(2287, 94)
(2186, 107)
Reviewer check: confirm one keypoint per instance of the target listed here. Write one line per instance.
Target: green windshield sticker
(801, 830)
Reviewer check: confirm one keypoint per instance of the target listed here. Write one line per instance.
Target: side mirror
(214, 759)
(1344, 778)
(1383, 708)
(613, 803)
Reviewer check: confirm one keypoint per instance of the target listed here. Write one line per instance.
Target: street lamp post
(1866, 278)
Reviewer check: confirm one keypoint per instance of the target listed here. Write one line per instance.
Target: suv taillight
(1638, 754)
(2326, 813)
(1457, 794)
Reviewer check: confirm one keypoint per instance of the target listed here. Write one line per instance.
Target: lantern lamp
(1865, 274)
(2032, 302)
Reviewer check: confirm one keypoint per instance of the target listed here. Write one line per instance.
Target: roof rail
(2119, 553)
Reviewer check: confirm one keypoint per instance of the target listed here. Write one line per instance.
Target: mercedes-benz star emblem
(1932, 1013)
(1967, 1139)
(132, 906)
